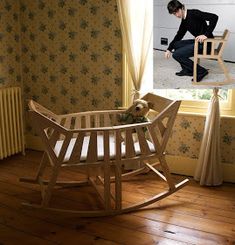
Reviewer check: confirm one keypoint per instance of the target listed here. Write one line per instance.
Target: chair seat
(100, 148)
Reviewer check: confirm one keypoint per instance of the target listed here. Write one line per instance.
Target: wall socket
(164, 41)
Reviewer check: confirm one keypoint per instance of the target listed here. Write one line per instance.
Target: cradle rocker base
(100, 213)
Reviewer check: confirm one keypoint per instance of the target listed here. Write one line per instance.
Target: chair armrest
(210, 40)
(218, 37)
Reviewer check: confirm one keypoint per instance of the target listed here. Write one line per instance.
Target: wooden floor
(193, 215)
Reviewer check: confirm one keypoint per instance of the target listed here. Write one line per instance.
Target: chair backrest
(225, 34)
(221, 45)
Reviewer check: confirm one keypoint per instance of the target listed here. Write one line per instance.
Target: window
(196, 100)
(193, 100)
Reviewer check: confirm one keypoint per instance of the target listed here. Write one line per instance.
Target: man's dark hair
(174, 5)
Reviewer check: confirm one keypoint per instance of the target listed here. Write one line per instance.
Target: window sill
(201, 114)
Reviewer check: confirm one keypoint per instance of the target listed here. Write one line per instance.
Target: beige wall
(10, 62)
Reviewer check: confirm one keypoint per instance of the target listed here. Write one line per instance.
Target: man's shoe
(183, 73)
(200, 76)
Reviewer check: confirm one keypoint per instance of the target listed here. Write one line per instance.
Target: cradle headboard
(159, 103)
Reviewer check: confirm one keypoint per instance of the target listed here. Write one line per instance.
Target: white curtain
(136, 19)
(209, 169)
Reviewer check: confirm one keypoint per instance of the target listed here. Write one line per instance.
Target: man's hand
(201, 38)
(167, 54)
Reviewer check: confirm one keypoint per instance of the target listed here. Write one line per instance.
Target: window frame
(227, 108)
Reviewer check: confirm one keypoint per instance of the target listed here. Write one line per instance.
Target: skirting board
(177, 164)
(187, 166)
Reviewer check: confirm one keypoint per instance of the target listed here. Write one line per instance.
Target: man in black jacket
(194, 21)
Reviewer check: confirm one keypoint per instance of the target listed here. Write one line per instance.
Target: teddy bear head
(140, 108)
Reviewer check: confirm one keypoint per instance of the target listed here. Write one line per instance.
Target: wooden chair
(92, 143)
(215, 53)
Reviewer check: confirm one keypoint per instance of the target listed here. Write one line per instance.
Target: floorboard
(193, 215)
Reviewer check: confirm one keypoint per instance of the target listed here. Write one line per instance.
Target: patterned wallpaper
(71, 53)
(187, 134)
(10, 63)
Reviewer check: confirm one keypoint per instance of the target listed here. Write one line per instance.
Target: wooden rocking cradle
(93, 141)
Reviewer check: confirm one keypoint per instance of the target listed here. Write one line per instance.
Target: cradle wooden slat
(96, 144)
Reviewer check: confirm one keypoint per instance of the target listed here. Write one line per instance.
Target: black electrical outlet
(164, 41)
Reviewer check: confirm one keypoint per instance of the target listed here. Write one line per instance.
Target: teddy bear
(136, 113)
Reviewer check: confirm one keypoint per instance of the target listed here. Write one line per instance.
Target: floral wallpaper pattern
(67, 55)
(187, 134)
(72, 53)
(10, 63)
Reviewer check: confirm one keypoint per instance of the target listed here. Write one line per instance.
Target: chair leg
(118, 187)
(224, 68)
(39, 174)
(107, 191)
(42, 166)
(47, 193)
(166, 172)
(196, 60)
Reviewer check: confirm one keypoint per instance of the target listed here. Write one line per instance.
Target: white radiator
(11, 122)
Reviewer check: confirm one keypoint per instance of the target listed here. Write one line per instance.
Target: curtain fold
(136, 20)
(209, 169)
